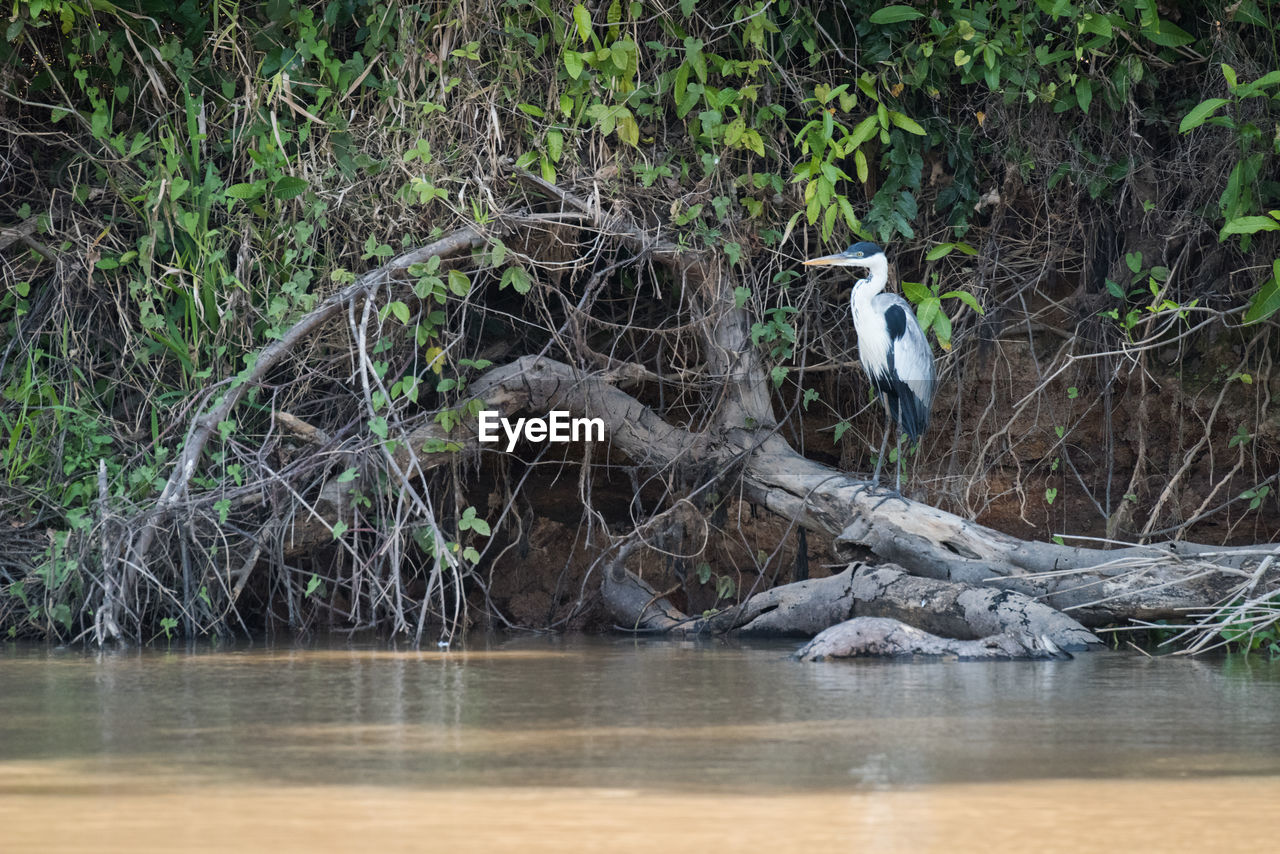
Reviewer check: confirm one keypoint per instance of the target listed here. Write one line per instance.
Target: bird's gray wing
(911, 358)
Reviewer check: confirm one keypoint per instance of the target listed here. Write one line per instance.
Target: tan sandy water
(588, 745)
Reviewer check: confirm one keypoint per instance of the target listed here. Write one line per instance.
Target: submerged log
(883, 637)
(953, 609)
(866, 610)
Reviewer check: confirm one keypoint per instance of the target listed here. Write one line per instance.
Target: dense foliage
(182, 181)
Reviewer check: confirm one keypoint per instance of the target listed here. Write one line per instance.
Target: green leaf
(401, 311)
(1267, 300)
(62, 614)
(582, 20)
(1084, 94)
(864, 130)
(1050, 494)
(1167, 34)
(348, 476)
(740, 296)
(1251, 90)
(1099, 25)
(628, 129)
(966, 298)
(942, 329)
(1200, 113)
(725, 587)
(459, 283)
(894, 15)
(480, 527)
(339, 528)
(517, 278)
(497, 254)
(927, 311)
(288, 187)
(313, 584)
(247, 191)
(1229, 74)
(1249, 225)
(910, 125)
(916, 292)
(940, 251)
(573, 63)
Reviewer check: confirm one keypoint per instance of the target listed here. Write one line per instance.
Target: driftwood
(851, 613)
(953, 609)
(880, 637)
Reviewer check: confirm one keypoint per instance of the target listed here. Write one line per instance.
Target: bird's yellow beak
(839, 259)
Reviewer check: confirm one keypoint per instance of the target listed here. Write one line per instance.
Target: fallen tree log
(1097, 586)
(866, 610)
(953, 609)
(881, 637)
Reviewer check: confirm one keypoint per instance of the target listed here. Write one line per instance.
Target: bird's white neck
(874, 283)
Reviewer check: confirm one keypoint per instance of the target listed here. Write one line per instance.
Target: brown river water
(604, 745)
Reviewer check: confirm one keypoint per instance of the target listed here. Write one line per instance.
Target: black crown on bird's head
(864, 249)
(851, 257)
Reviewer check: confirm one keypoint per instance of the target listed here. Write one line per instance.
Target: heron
(894, 351)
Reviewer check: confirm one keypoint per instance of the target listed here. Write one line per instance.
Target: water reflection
(622, 714)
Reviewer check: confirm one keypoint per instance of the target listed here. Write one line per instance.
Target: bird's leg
(884, 445)
(896, 493)
(899, 432)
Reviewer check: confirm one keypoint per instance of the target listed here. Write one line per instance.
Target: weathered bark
(866, 611)
(882, 637)
(634, 604)
(953, 609)
(1097, 586)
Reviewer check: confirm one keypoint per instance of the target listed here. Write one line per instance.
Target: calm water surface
(605, 745)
